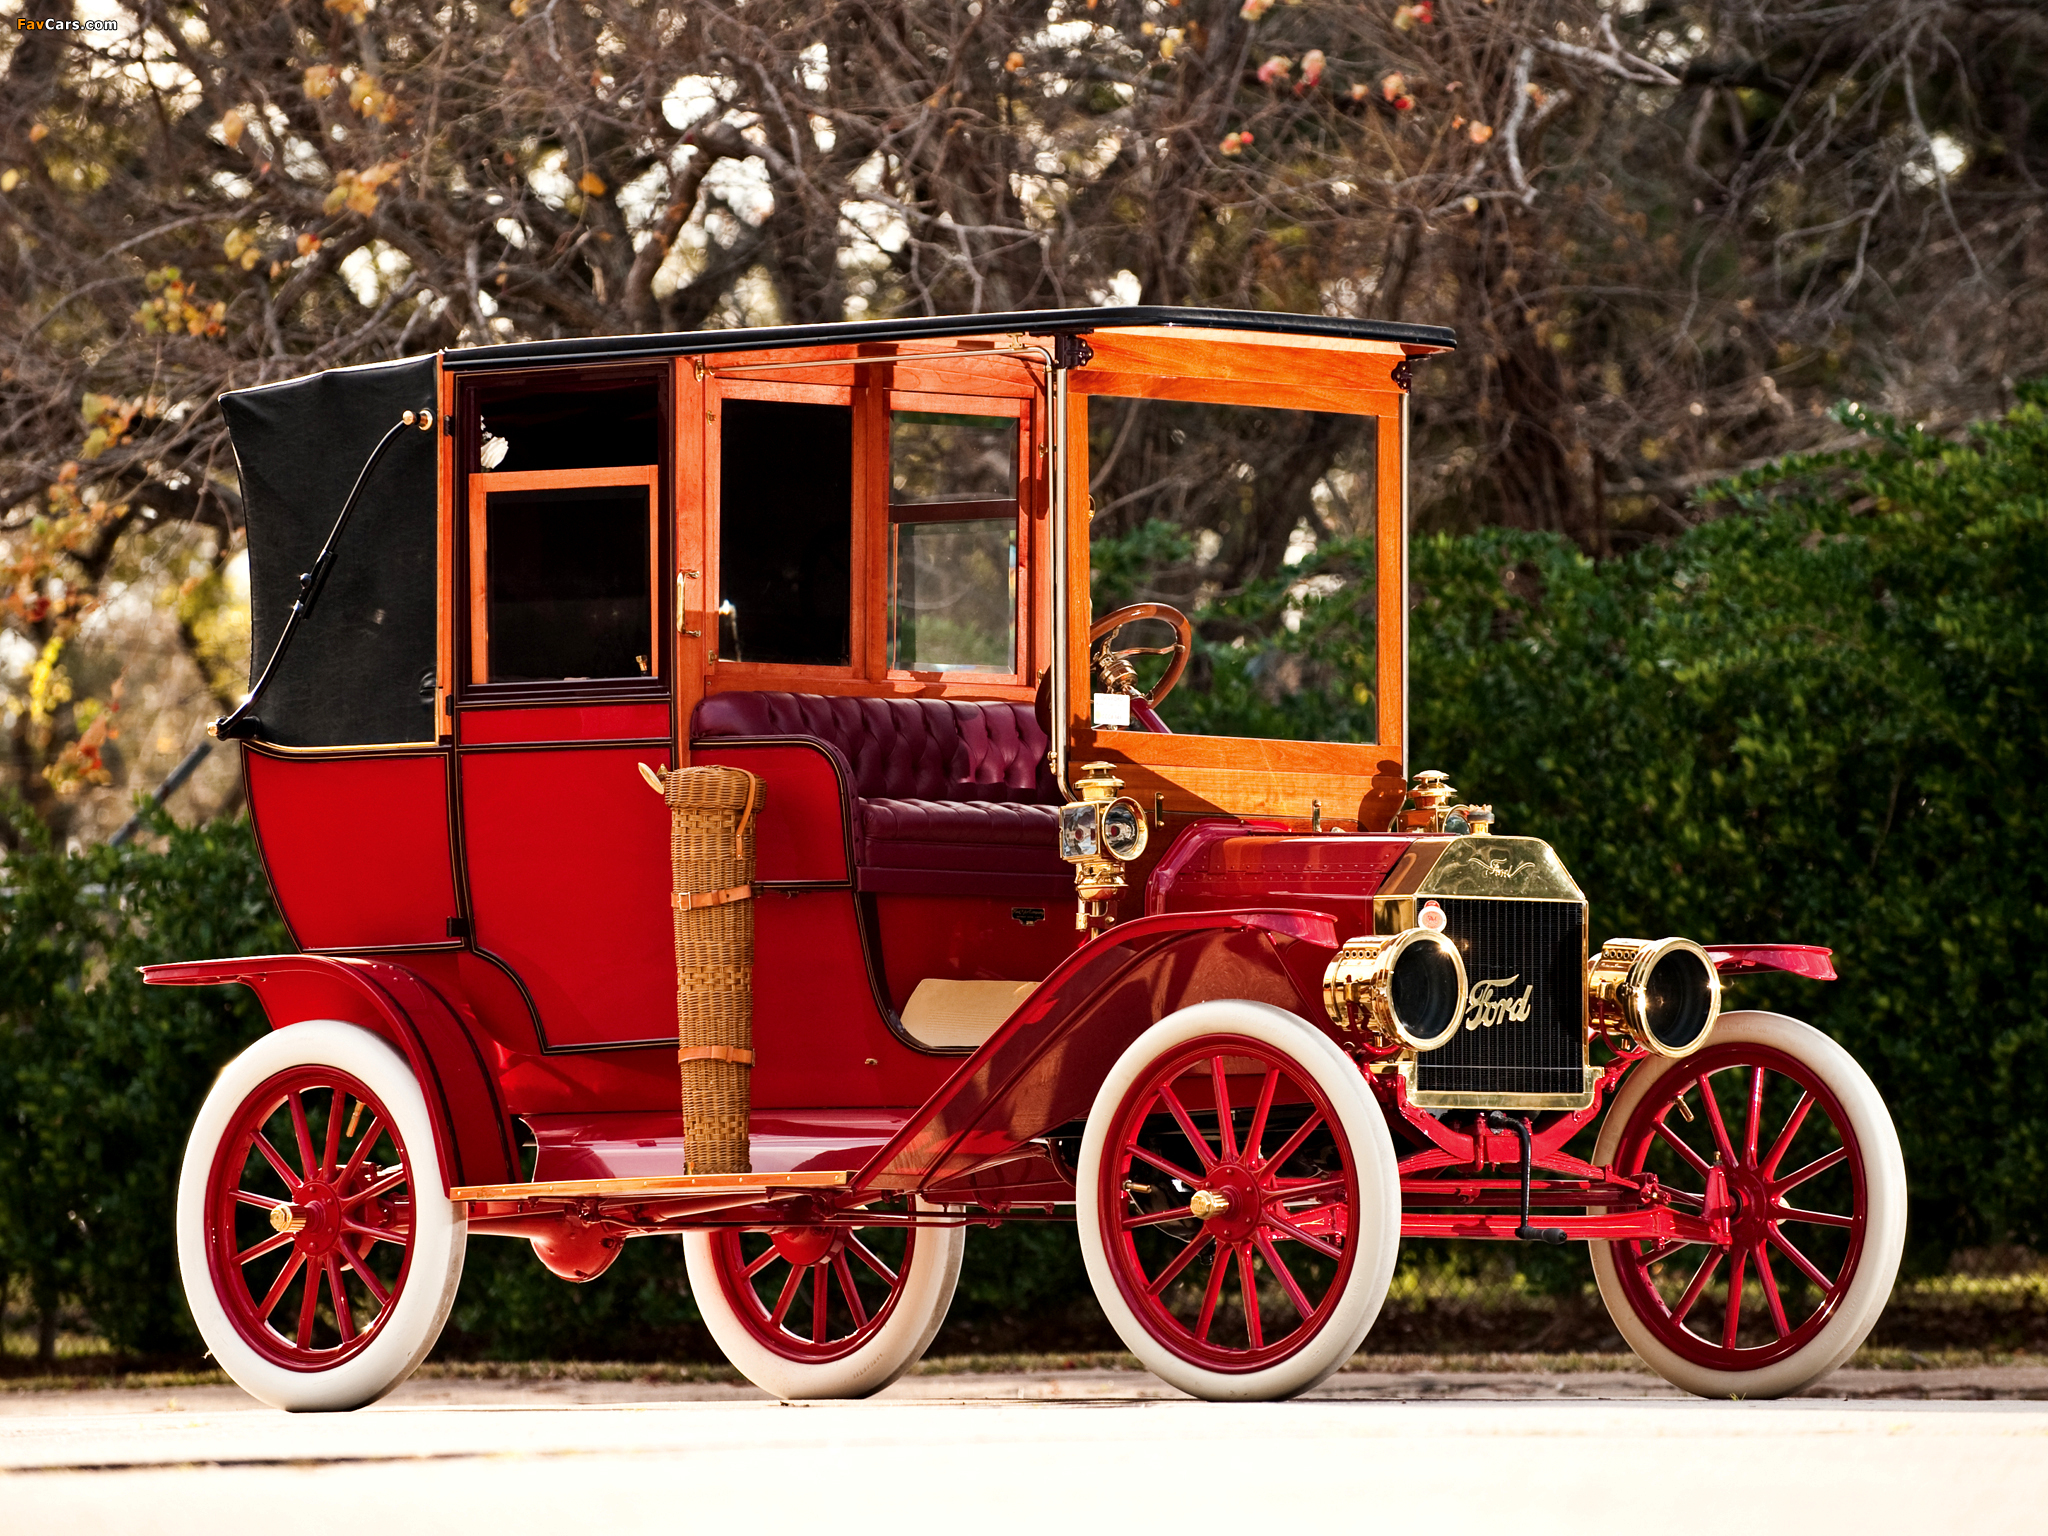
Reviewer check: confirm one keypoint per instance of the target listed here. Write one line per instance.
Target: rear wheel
(1817, 1209)
(1239, 1206)
(318, 1246)
(825, 1311)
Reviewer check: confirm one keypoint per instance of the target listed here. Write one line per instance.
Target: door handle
(683, 579)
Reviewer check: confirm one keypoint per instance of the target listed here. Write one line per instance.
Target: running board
(665, 1184)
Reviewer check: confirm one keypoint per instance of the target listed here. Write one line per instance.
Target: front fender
(472, 1134)
(1043, 1067)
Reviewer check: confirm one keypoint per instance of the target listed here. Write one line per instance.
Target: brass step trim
(664, 1184)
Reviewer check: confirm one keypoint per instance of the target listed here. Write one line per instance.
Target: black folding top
(1032, 322)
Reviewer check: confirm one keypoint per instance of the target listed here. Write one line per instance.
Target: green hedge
(1818, 720)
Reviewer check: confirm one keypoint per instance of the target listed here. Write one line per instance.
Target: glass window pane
(567, 585)
(785, 533)
(937, 456)
(953, 596)
(1258, 524)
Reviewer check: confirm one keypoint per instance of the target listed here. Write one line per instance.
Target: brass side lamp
(1099, 834)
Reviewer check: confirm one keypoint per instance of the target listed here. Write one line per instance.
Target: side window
(952, 542)
(785, 533)
(563, 577)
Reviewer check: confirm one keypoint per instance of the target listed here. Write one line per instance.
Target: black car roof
(1036, 322)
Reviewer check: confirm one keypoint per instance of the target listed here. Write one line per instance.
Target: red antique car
(1249, 1011)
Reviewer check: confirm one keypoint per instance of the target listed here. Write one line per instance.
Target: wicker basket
(711, 845)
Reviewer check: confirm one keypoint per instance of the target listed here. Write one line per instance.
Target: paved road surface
(1059, 1452)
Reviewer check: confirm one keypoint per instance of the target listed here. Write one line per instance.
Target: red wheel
(825, 1311)
(1237, 1213)
(1784, 1121)
(319, 1249)
(310, 1218)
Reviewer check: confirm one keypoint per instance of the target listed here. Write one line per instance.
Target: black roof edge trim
(1033, 322)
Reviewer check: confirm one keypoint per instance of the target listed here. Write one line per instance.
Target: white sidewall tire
(899, 1344)
(440, 1236)
(1377, 1230)
(1884, 1236)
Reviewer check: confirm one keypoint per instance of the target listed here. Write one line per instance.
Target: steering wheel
(1112, 664)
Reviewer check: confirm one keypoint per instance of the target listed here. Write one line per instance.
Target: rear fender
(1043, 1067)
(473, 1136)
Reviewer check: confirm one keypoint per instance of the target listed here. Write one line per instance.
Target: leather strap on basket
(690, 901)
(733, 1053)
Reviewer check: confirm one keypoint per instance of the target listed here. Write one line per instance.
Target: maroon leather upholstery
(948, 797)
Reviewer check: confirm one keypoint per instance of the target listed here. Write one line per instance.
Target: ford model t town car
(705, 803)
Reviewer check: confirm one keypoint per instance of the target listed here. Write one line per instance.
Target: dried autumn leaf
(320, 81)
(590, 184)
(231, 128)
(38, 133)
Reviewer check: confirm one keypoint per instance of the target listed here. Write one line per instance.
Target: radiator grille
(1541, 945)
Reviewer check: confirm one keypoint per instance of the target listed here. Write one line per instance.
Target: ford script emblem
(1494, 1002)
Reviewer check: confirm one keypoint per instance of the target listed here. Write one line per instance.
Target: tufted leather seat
(949, 797)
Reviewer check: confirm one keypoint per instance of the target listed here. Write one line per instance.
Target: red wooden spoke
(1700, 1280)
(390, 1181)
(1187, 1126)
(1783, 1144)
(1811, 1218)
(270, 1244)
(1736, 1264)
(868, 1257)
(344, 1319)
(364, 1274)
(1663, 1251)
(1770, 1283)
(1167, 1166)
(1754, 1127)
(1289, 1229)
(1800, 1261)
(820, 1295)
(845, 1273)
(376, 1235)
(1812, 1170)
(1218, 1266)
(301, 1134)
(271, 1155)
(261, 1202)
(276, 1292)
(355, 1158)
(1226, 1133)
(309, 1302)
(789, 1287)
(768, 1256)
(1711, 1102)
(1256, 1136)
(1181, 1261)
(1285, 1276)
(1250, 1286)
(1677, 1144)
(1179, 1213)
(1308, 1128)
(336, 1102)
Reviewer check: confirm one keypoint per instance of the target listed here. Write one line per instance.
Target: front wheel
(826, 1311)
(1817, 1209)
(318, 1246)
(1239, 1203)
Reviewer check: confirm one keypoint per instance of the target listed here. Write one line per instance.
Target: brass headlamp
(1663, 994)
(1403, 988)
(1099, 834)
